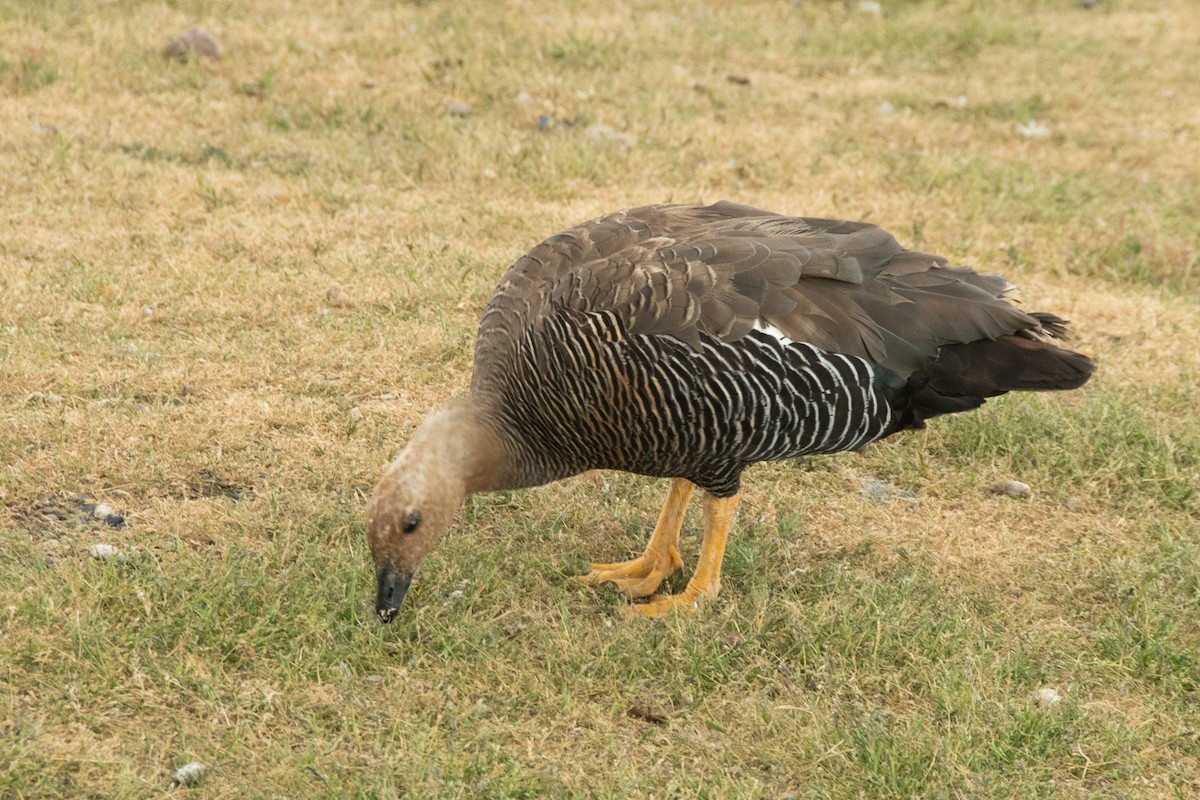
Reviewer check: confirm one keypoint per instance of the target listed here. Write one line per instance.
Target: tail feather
(964, 375)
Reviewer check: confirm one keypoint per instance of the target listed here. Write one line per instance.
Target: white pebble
(190, 774)
(102, 511)
(886, 108)
(105, 552)
(603, 133)
(1033, 130)
(458, 109)
(870, 7)
(1047, 696)
(1011, 489)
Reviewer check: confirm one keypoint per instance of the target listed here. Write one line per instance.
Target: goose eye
(413, 520)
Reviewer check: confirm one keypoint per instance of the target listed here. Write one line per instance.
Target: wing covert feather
(683, 271)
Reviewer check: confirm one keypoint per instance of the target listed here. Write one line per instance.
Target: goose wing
(724, 269)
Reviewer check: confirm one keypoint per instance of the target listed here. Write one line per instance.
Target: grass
(232, 289)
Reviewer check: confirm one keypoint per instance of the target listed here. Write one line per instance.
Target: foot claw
(640, 577)
(660, 605)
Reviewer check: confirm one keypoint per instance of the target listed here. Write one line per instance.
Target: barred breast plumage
(689, 342)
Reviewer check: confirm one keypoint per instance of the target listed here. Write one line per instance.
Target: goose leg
(706, 580)
(642, 576)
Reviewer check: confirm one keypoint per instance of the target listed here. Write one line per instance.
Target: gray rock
(192, 43)
(1047, 696)
(878, 491)
(106, 552)
(457, 109)
(1010, 488)
(190, 774)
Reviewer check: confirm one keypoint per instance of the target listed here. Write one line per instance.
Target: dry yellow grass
(250, 278)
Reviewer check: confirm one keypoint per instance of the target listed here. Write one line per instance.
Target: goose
(688, 342)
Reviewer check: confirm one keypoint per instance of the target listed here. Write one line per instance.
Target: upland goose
(689, 342)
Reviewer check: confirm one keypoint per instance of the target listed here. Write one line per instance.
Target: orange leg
(706, 580)
(642, 576)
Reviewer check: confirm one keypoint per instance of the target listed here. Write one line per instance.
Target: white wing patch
(772, 331)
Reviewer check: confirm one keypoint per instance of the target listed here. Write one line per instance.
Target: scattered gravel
(1015, 489)
(194, 42)
(77, 511)
(190, 774)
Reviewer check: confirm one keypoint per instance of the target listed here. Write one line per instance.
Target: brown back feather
(846, 287)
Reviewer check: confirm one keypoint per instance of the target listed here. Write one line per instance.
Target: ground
(232, 288)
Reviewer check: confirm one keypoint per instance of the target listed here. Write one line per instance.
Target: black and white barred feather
(585, 393)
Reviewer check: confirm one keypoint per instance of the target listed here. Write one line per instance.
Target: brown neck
(462, 447)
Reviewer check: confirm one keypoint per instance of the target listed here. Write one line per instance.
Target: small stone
(193, 42)
(603, 133)
(1015, 489)
(457, 109)
(106, 552)
(545, 122)
(43, 128)
(1047, 696)
(190, 774)
(879, 491)
(102, 510)
(48, 398)
(524, 98)
(374, 679)
(871, 7)
(886, 108)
